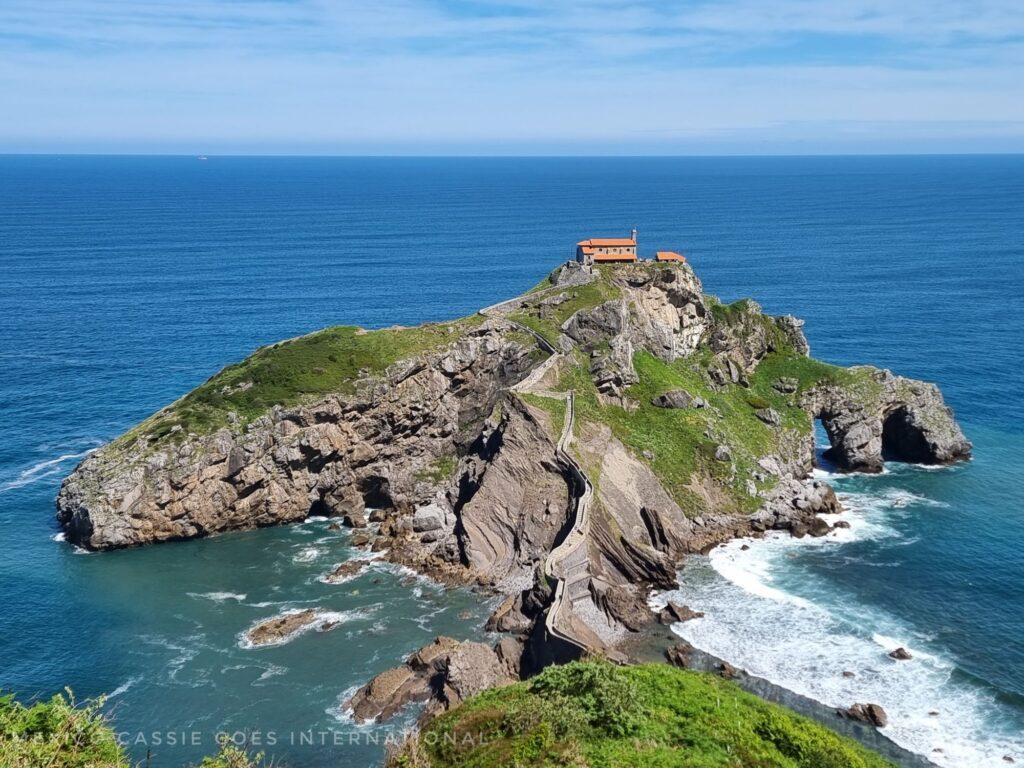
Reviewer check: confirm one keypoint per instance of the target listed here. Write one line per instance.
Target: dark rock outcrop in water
(570, 482)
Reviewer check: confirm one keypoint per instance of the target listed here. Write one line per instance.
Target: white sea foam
(43, 470)
(805, 642)
(308, 554)
(122, 688)
(344, 713)
(218, 597)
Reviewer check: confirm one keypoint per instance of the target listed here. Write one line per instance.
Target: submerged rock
(345, 571)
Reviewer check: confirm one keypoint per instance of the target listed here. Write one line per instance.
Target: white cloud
(523, 73)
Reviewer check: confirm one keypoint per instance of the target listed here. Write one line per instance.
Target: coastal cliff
(567, 448)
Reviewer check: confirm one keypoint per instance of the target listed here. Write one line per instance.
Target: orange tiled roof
(599, 242)
(669, 256)
(614, 257)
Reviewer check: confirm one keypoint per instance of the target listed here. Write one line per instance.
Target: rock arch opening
(903, 439)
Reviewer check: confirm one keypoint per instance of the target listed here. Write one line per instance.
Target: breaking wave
(823, 645)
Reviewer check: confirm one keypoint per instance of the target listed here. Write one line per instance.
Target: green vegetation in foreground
(327, 361)
(651, 716)
(61, 733)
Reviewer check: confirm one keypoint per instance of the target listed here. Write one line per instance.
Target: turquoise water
(124, 282)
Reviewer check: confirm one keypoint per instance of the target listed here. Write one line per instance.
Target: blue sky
(511, 76)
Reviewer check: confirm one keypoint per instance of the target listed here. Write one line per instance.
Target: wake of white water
(806, 642)
(46, 469)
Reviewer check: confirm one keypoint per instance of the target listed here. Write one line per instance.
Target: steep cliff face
(377, 446)
(691, 422)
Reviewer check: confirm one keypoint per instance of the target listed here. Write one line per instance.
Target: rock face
(674, 612)
(894, 418)
(871, 714)
(445, 672)
(513, 500)
(336, 456)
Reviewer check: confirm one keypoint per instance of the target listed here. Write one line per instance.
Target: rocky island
(566, 449)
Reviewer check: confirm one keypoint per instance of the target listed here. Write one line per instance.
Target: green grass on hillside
(547, 321)
(678, 438)
(554, 407)
(62, 733)
(285, 373)
(652, 716)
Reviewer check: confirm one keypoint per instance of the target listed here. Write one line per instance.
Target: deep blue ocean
(126, 281)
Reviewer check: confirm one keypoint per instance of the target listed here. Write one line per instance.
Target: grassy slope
(548, 321)
(331, 360)
(651, 716)
(677, 439)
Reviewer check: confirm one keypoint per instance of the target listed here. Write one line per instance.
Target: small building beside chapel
(669, 256)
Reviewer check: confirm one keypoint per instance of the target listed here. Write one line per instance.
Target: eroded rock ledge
(693, 425)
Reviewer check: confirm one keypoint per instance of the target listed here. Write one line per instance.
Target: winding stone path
(568, 564)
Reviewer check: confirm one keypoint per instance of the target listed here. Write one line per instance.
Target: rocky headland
(565, 449)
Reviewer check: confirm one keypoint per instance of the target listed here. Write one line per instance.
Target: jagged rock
(505, 525)
(387, 693)
(899, 418)
(722, 453)
(510, 653)
(359, 540)
(612, 371)
(354, 520)
(794, 505)
(444, 671)
(793, 328)
(275, 630)
(345, 571)
(331, 456)
(428, 518)
(623, 605)
(727, 670)
(871, 714)
(677, 398)
(674, 612)
(769, 416)
(679, 655)
(901, 654)
(786, 385)
(589, 327)
(572, 273)
(668, 315)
